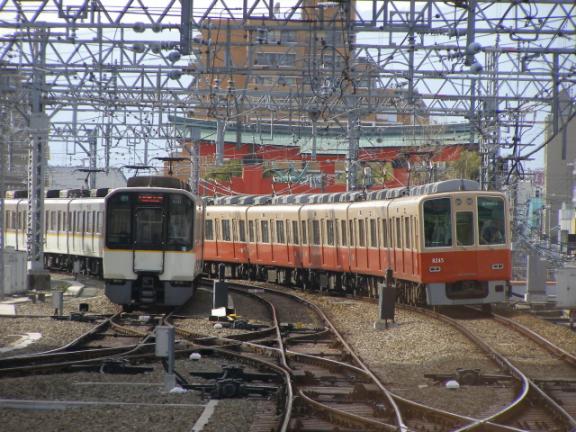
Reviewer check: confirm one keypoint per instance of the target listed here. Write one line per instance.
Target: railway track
(112, 337)
(333, 387)
(533, 407)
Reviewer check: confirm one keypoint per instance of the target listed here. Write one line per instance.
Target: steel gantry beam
(115, 71)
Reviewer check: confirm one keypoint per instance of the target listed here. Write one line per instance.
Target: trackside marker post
(165, 349)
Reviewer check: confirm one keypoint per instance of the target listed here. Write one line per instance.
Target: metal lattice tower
(115, 72)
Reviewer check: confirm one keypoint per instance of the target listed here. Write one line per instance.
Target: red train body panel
(434, 245)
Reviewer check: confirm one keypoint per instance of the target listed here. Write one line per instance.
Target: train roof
(349, 197)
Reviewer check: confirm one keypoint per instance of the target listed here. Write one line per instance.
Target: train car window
(272, 231)
(330, 232)
(234, 231)
(98, 228)
(288, 232)
(209, 229)
(280, 235)
(89, 223)
(264, 231)
(304, 233)
(242, 230)
(65, 221)
(407, 233)
(316, 232)
(437, 223)
(226, 233)
(118, 222)
(351, 224)
(491, 220)
(384, 233)
(295, 239)
(251, 231)
(398, 233)
(84, 228)
(373, 233)
(180, 222)
(361, 233)
(343, 235)
(74, 214)
(464, 228)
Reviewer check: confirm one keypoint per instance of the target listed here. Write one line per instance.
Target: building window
(275, 59)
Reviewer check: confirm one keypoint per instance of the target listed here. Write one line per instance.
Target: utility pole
(194, 161)
(4, 125)
(37, 277)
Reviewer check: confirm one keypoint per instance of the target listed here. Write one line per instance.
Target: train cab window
(295, 239)
(304, 233)
(242, 230)
(330, 232)
(148, 225)
(280, 235)
(491, 220)
(264, 231)
(464, 228)
(343, 233)
(373, 234)
(407, 233)
(316, 232)
(118, 223)
(209, 229)
(361, 233)
(226, 233)
(437, 223)
(180, 222)
(251, 231)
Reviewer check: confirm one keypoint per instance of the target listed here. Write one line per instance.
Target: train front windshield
(151, 221)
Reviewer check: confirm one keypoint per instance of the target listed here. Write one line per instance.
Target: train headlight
(434, 269)
(497, 266)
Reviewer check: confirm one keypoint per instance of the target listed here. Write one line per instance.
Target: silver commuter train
(145, 240)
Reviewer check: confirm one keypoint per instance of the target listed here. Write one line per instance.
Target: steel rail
(527, 385)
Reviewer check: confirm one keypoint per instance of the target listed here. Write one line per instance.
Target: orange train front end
(465, 253)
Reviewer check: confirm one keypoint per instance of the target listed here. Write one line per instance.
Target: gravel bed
(97, 305)
(559, 335)
(53, 334)
(413, 346)
(175, 413)
(523, 353)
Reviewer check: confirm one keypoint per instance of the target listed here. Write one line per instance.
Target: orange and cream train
(446, 243)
